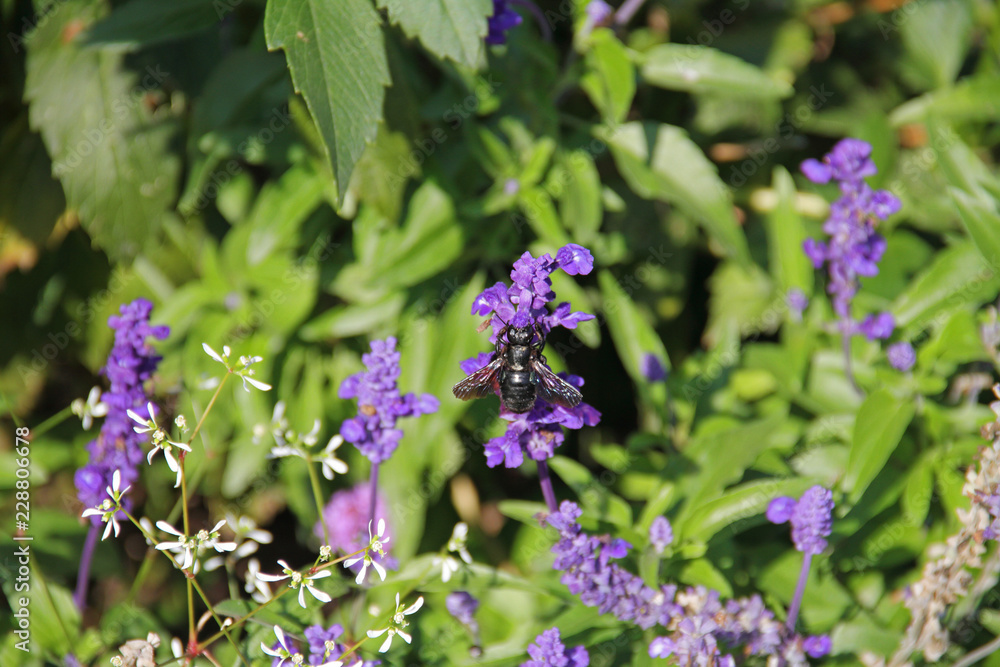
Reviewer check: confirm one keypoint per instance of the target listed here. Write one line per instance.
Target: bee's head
(520, 335)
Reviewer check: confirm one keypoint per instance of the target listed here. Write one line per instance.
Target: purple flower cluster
(380, 404)
(504, 18)
(323, 647)
(661, 534)
(346, 517)
(854, 248)
(548, 649)
(523, 304)
(701, 626)
(132, 361)
(810, 517)
(463, 607)
(901, 356)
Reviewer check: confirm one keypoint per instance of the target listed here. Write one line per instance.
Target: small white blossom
(299, 581)
(189, 546)
(331, 464)
(244, 373)
(140, 652)
(397, 624)
(255, 586)
(284, 651)
(181, 423)
(375, 543)
(160, 441)
(325, 553)
(93, 407)
(109, 507)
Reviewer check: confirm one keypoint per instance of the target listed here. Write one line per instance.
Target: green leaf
(970, 99)
(661, 162)
(579, 193)
(633, 336)
(978, 214)
(936, 37)
(785, 234)
(141, 23)
(700, 69)
(741, 507)
(594, 496)
(958, 277)
(336, 53)
(609, 79)
(452, 29)
(882, 420)
(31, 200)
(110, 152)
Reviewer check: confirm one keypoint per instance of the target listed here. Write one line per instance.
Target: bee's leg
(541, 338)
(500, 343)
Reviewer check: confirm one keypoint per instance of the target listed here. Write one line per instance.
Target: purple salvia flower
(462, 606)
(854, 248)
(380, 404)
(548, 649)
(661, 534)
(523, 304)
(797, 301)
(503, 19)
(876, 327)
(598, 12)
(810, 518)
(901, 356)
(347, 515)
(652, 368)
(131, 362)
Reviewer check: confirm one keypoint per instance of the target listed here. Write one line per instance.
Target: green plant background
(294, 178)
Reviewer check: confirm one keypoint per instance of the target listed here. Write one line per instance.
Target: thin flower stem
(80, 594)
(222, 626)
(52, 422)
(201, 421)
(374, 493)
(543, 22)
(627, 11)
(800, 589)
(547, 490)
(318, 497)
(973, 657)
(845, 345)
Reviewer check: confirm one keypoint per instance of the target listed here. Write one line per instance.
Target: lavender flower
(854, 248)
(346, 517)
(661, 534)
(503, 19)
(810, 518)
(523, 304)
(598, 12)
(324, 647)
(380, 404)
(130, 363)
(797, 302)
(652, 368)
(901, 356)
(462, 606)
(701, 627)
(548, 649)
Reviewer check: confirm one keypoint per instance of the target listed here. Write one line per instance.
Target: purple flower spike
(661, 534)
(548, 649)
(346, 516)
(131, 362)
(879, 326)
(854, 248)
(380, 404)
(598, 11)
(810, 517)
(817, 646)
(901, 355)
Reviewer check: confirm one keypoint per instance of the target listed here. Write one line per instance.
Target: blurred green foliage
(380, 166)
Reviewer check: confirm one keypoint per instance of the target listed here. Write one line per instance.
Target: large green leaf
(447, 28)
(968, 100)
(336, 53)
(882, 420)
(108, 149)
(609, 80)
(741, 507)
(633, 336)
(979, 215)
(661, 162)
(785, 234)
(140, 23)
(700, 69)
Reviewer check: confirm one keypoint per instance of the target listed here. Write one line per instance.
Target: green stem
(51, 422)
(318, 497)
(201, 421)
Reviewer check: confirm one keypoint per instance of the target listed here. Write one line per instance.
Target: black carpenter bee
(519, 373)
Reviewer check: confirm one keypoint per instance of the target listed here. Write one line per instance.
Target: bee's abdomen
(518, 391)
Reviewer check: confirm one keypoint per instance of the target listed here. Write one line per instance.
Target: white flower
(247, 535)
(457, 543)
(254, 585)
(160, 441)
(108, 509)
(244, 372)
(93, 407)
(284, 651)
(299, 581)
(189, 546)
(331, 464)
(325, 553)
(375, 543)
(397, 624)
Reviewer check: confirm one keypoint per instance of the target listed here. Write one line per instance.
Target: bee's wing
(484, 382)
(553, 388)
